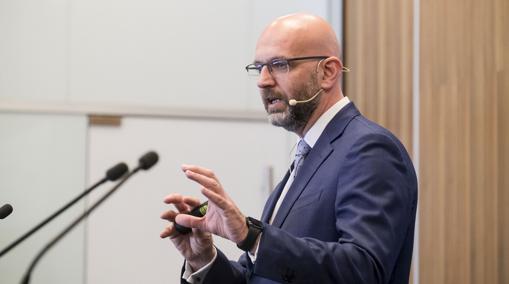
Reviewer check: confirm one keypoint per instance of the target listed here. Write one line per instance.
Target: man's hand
(223, 218)
(196, 247)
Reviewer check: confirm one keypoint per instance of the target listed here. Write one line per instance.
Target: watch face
(252, 222)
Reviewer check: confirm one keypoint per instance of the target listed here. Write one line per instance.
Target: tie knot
(302, 149)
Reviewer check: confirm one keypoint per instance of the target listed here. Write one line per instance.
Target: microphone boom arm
(146, 162)
(26, 278)
(294, 102)
(112, 174)
(47, 220)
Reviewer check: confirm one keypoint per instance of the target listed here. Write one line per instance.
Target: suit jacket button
(288, 276)
(249, 273)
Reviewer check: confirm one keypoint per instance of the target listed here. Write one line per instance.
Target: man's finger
(204, 181)
(169, 215)
(173, 198)
(189, 221)
(217, 199)
(182, 203)
(191, 201)
(178, 201)
(182, 207)
(200, 170)
(168, 231)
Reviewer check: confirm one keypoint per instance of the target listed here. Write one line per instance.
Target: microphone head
(292, 102)
(148, 160)
(5, 211)
(117, 171)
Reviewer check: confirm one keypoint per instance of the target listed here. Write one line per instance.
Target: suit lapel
(318, 154)
(311, 164)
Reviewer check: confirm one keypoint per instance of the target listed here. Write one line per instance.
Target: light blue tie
(302, 150)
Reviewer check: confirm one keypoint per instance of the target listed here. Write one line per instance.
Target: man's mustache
(270, 95)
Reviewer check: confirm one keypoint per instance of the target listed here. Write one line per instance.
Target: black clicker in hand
(198, 211)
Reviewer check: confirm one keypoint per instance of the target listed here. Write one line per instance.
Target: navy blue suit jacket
(348, 217)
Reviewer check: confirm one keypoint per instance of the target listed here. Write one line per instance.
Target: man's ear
(331, 72)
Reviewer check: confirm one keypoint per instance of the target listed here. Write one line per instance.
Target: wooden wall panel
(464, 68)
(378, 50)
(502, 89)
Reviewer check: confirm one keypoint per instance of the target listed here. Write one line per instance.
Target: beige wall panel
(502, 90)
(463, 124)
(378, 50)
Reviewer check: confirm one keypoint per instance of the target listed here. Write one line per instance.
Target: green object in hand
(198, 211)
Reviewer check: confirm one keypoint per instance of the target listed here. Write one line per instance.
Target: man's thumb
(189, 221)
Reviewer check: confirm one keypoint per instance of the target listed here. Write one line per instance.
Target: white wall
(169, 53)
(42, 167)
(33, 50)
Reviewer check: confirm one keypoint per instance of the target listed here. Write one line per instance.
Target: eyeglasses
(279, 65)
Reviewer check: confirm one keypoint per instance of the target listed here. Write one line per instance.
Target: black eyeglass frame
(259, 66)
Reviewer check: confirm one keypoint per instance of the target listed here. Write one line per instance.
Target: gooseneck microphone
(144, 163)
(293, 102)
(112, 174)
(5, 211)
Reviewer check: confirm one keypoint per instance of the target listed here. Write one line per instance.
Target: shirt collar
(316, 130)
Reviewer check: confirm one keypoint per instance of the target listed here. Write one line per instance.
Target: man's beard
(295, 118)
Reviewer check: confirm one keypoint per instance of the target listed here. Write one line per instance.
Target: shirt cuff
(197, 277)
(252, 255)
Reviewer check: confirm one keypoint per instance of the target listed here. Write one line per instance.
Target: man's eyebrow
(270, 60)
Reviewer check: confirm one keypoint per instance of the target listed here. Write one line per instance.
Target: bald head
(300, 35)
(311, 81)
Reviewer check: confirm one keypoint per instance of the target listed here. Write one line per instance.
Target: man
(344, 213)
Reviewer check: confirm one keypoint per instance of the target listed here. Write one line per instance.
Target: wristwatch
(255, 228)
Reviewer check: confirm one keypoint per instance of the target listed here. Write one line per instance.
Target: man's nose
(265, 80)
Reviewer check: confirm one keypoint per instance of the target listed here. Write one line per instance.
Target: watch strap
(255, 228)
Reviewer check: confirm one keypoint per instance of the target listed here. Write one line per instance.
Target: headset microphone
(293, 102)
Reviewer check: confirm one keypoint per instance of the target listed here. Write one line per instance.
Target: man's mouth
(272, 101)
